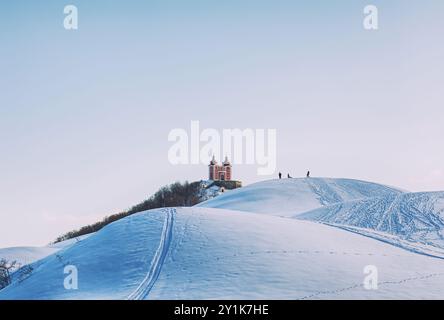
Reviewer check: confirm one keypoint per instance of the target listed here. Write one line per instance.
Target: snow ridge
(415, 217)
(144, 288)
(288, 197)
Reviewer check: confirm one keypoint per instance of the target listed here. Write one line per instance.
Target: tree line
(174, 195)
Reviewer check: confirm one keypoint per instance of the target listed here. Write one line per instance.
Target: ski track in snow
(144, 288)
(326, 194)
(411, 217)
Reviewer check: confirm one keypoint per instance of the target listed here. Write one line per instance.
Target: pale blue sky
(85, 115)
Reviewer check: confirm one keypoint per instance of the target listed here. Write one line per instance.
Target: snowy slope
(413, 221)
(415, 217)
(206, 253)
(288, 197)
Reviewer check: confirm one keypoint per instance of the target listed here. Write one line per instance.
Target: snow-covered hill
(414, 221)
(288, 197)
(415, 217)
(279, 239)
(205, 253)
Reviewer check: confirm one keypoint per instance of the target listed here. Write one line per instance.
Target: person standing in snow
(280, 175)
(288, 176)
(308, 174)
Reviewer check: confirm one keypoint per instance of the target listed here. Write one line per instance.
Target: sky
(85, 114)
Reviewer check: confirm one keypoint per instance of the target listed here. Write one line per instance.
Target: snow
(414, 217)
(206, 253)
(69, 242)
(207, 192)
(287, 197)
(413, 221)
(245, 256)
(278, 239)
(26, 255)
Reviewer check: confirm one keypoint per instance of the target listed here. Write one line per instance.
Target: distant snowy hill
(287, 197)
(26, 255)
(205, 253)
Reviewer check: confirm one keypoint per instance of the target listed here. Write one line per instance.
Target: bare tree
(6, 267)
